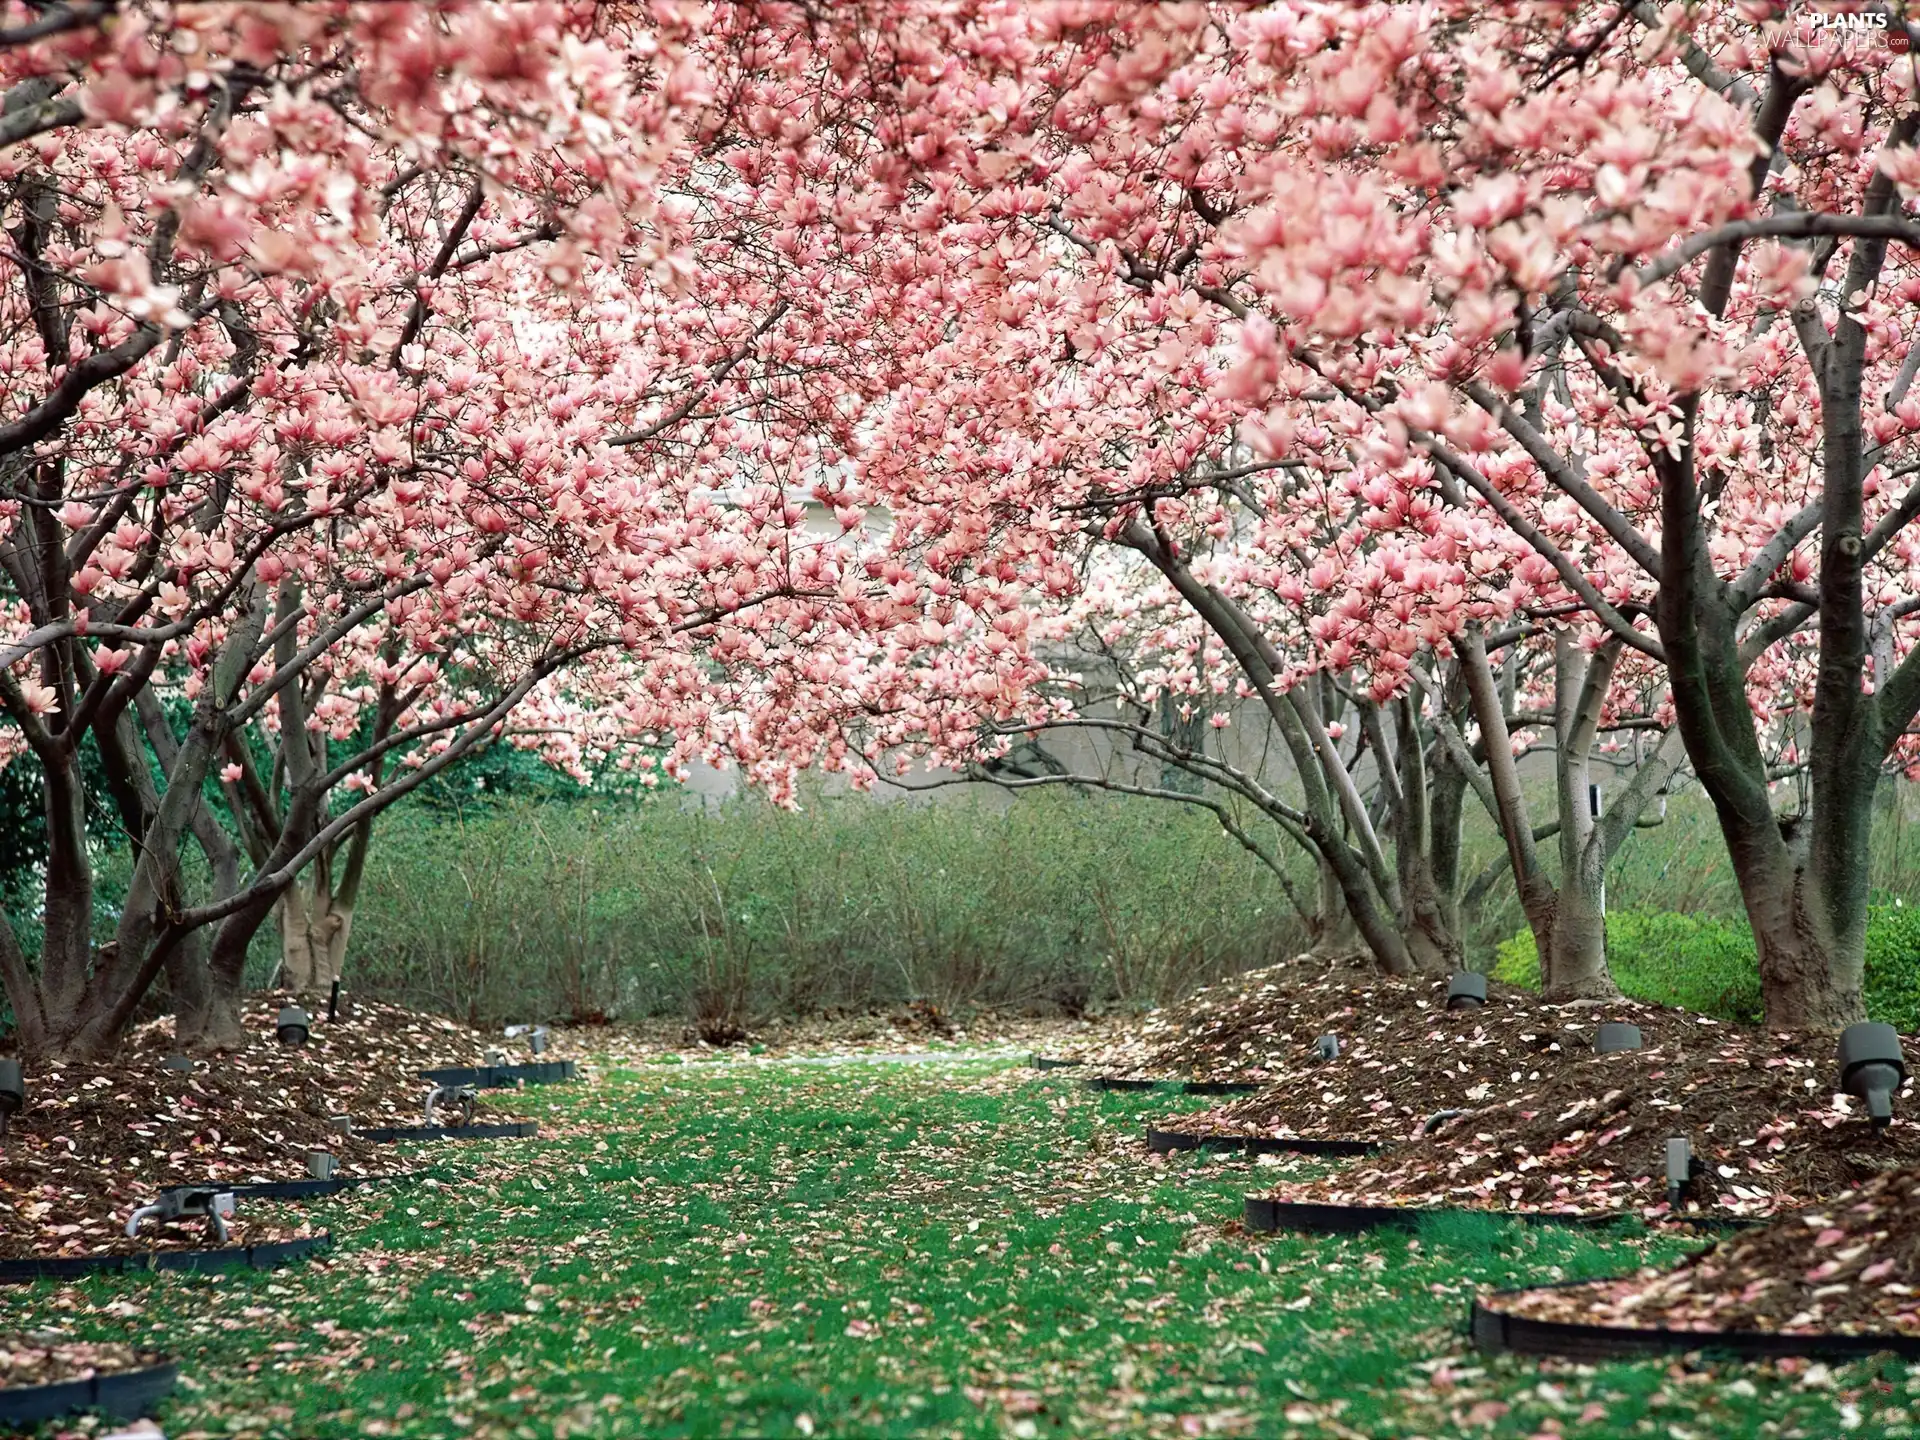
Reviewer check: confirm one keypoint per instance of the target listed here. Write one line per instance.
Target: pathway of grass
(955, 1249)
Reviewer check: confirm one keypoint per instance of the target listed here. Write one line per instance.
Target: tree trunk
(1574, 958)
(1573, 952)
(1812, 972)
(190, 990)
(1431, 942)
(315, 925)
(1332, 929)
(220, 1026)
(1447, 806)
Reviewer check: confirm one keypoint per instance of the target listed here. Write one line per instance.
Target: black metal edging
(227, 1257)
(1266, 1215)
(1177, 1087)
(1163, 1142)
(298, 1189)
(125, 1396)
(389, 1134)
(1496, 1332)
(1047, 1062)
(501, 1077)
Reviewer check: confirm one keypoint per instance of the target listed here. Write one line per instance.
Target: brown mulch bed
(1545, 1122)
(1590, 1135)
(98, 1138)
(1850, 1267)
(50, 1359)
(1404, 1057)
(1262, 1026)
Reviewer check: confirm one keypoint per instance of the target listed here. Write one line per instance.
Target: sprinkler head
(1327, 1047)
(293, 1026)
(1872, 1067)
(1466, 991)
(1615, 1037)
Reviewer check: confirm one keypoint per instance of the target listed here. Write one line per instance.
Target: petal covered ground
(952, 1247)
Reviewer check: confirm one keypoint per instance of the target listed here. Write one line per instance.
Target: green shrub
(740, 911)
(1690, 961)
(1699, 963)
(1893, 966)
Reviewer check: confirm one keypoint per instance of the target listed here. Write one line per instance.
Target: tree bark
(315, 925)
(1332, 929)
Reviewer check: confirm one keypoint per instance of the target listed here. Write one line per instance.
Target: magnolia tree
(387, 381)
(1083, 404)
(1623, 285)
(1646, 269)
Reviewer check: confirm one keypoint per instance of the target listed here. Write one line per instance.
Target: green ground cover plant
(1706, 964)
(956, 1247)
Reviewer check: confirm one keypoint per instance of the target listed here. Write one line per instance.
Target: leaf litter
(99, 1138)
(1849, 1267)
(1508, 1106)
(928, 1250)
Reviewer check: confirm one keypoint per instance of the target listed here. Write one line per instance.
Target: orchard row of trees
(384, 382)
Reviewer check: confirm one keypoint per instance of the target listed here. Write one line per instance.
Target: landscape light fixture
(1615, 1037)
(321, 1164)
(496, 1056)
(342, 1123)
(537, 1040)
(1327, 1047)
(293, 1026)
(335, 1007)
(459, 1097)
(1466, 991)
(216, 1205)
(13, 1093)
(1682, 1166)
(1872, 1067)
(179, 1064)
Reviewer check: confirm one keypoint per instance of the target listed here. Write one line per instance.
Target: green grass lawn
(955, 1248)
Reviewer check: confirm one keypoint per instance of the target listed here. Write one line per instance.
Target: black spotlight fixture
(13, 1093)
(293, 1026)
(1615, 1036)
(1872, 1067)
(1466, 991)
(1327, 1047)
